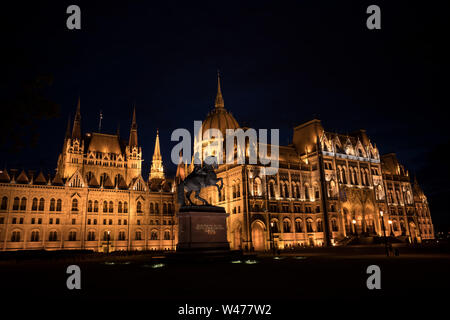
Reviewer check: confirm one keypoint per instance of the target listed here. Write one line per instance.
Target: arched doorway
(258, 236)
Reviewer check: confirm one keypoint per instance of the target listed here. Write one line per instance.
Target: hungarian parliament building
(329, 189)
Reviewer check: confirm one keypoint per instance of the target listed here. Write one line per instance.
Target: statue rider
(198, 169)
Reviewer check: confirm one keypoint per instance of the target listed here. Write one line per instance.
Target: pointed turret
(157, 169)
(133, 141)
(76, 130)
(219, 99)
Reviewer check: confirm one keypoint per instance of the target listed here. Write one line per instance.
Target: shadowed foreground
(285, 281)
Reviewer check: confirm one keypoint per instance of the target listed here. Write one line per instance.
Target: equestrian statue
(201, 177)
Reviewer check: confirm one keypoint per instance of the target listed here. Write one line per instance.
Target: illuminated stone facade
(97, 200)
(98, 193)
(347, 184)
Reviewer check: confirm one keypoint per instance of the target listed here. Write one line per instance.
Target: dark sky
(282, 63)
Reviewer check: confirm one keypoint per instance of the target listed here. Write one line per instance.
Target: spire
(219, 99)
(157, 169)
(157, 153)
(133, 141)
(76, 130)
(68, 128)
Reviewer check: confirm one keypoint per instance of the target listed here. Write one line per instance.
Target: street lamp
(390, 227)
(271, 237)
(354, 227)
(384, 233)
(107, 243)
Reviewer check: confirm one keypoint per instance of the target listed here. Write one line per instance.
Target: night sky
(281, 62)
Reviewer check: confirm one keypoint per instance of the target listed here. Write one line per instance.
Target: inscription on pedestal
(202, 229)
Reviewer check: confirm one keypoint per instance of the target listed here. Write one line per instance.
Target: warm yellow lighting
(353, 221)
(390, 221)
(381, 212)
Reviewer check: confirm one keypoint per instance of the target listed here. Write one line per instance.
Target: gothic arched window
(344, 175)
(274, 226)
(319, 225)
(286, 190)
(272, 189)
(16, 203)
(139, 207)
(41, 204)
(307, 192)
(52, 204)
(15, 236)
(74, 205)
(286, 226)
(23, 204)
(34, 205)
(316, 192)
(298, 225)
(4, 205)
(309, 227)
(34, 236)
(334, 225)
(257, 187)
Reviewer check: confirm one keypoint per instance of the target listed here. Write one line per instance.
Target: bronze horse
(202, 177)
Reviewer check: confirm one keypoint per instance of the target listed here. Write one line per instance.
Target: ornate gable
(76, 180)
(361, 151)
(138, 184)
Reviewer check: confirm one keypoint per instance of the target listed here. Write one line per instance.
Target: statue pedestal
(202, 228)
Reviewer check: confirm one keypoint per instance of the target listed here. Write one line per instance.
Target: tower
(157, 169)
(219, 103)
(71, 158)
(133, 152)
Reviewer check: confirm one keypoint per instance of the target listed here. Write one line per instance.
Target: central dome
(219, 118)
